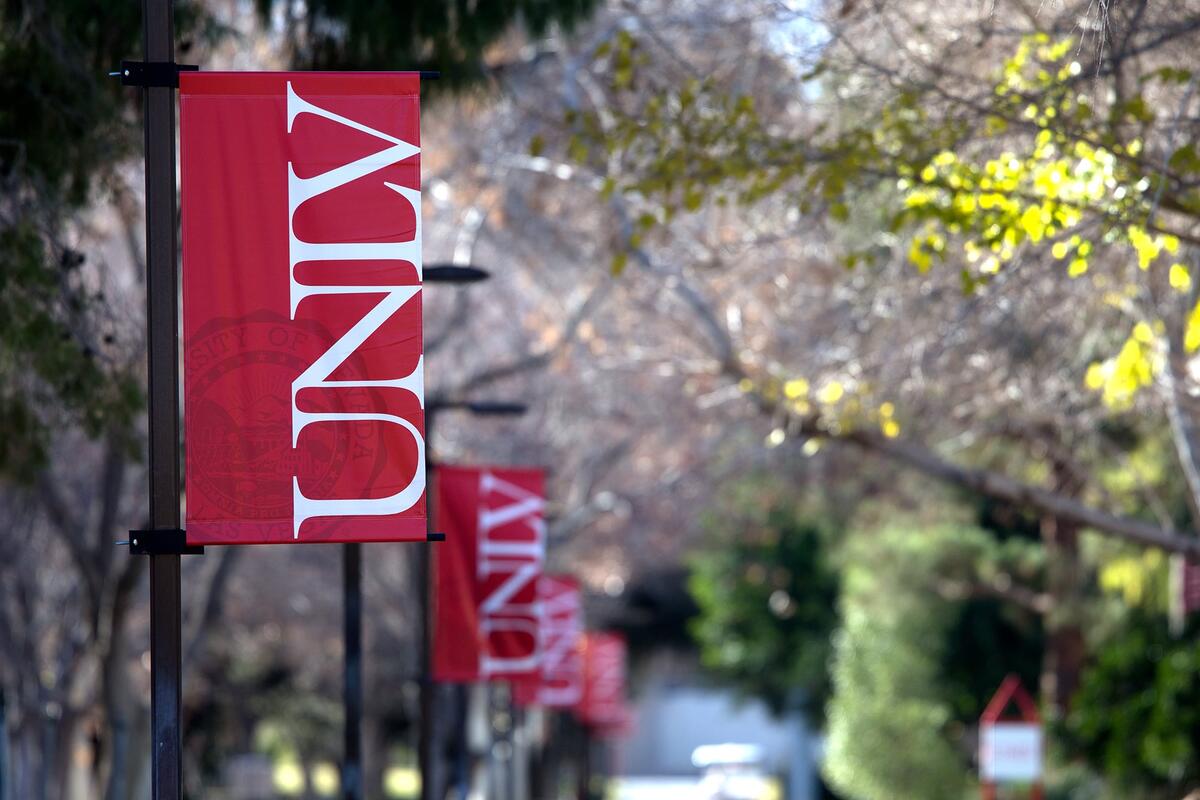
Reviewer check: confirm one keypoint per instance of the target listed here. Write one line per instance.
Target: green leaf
(1185, 159)
(577, 149)
(1168, 75)
(619, 262)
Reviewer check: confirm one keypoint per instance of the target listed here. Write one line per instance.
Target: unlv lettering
(512, 545)
(562, 627)
(603, 703)
(318, 374)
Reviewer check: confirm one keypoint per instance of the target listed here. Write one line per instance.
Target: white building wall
(673, 719)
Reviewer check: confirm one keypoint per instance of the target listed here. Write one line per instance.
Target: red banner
(603, 705)
(487, 609)
(559, 684)
(303, 380)
(1190, 585)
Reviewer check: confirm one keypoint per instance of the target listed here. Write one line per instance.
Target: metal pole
(432, 775)
(425, 591)
(3, 747)
(162, 316)
(518, 772)
(425, 744)
(352, 772)
(583, 774)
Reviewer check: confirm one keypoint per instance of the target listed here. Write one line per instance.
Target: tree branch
(1002, 487)
(490, 375)
(214, 602)
(1001, 588)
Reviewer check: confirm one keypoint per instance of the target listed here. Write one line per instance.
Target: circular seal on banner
(240, 428)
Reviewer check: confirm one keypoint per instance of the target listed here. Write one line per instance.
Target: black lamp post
(352, 600)
(424, 569)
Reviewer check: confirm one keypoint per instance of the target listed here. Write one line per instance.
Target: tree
(767, 598)
(868, 160)
(885, 675)
(1134, 719)
(451, 38)
(933, 614)
(65, 129)
(1017, 169)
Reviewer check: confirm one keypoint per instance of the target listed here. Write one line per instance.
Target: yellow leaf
(1144, 245)
(918, 256)
(1058, 49)
(1191, 338)
(890, 428)
(887, 409)
(1059, 250)
(831, 392)
(1032, 224)
(1143, 333)
(928, 174)
(1077, 267)
(1180, 278)
(1096, 376)
(917, 198)
(796, 388)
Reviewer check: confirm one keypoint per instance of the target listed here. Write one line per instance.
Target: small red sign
(1010, 746)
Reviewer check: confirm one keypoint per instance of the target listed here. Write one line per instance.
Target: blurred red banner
(303, 382)
(487, 611)
(559, 683)
(603, 706)
(1190, 586)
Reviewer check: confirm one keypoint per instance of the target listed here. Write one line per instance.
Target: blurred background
(857, 336)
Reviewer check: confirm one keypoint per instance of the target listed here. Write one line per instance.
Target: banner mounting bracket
(162, 542)
(152, 73)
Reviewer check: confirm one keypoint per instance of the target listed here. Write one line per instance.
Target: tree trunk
(117, 697)
(60, 739)
(1064, 649)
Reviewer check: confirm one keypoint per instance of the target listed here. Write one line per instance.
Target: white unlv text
(512, 545)
(317, 375)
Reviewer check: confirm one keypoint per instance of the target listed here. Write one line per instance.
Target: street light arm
(454, 273)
